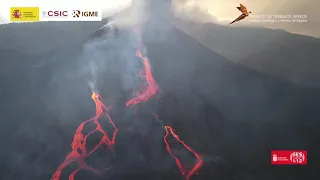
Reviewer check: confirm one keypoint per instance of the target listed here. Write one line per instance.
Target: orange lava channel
(79, 150)
(184, 171)
(152, 85)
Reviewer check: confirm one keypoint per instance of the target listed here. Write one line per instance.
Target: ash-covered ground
(231, 115)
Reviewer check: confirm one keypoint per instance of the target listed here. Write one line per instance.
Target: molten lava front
(79, 151)
(183, 170)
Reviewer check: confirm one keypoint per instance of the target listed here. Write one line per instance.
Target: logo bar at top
(34, 14)
(70, 14)
(289, 157)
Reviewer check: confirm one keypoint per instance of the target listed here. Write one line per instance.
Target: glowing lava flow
(147, 94)
(152, 85)
(79, 150)
(183, 170)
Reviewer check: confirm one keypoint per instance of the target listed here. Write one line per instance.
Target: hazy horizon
(222, 12)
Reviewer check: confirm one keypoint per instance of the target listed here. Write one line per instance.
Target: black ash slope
(232, 115)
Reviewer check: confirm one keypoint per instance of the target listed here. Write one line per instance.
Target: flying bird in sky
(244, 14)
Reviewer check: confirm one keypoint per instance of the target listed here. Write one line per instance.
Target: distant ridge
(276, 52)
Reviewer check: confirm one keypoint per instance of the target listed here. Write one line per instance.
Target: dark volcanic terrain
(232, 115)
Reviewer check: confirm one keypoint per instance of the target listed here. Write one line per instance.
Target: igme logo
(78, 13)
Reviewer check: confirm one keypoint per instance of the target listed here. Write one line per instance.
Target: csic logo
(55, 13)
(16, 14)
(78, 13)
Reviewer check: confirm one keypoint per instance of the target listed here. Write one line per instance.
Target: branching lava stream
(183, 170)
(79, 151)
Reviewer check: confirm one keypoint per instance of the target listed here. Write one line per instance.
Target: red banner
(294, 157)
